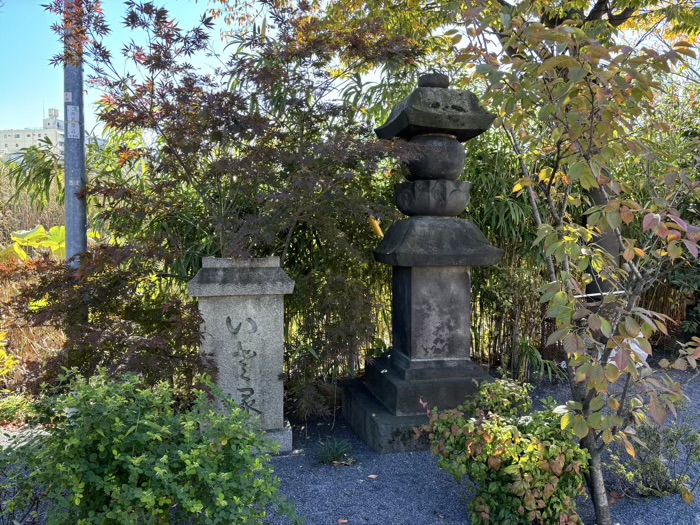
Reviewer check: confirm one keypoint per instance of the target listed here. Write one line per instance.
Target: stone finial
(434, 108)
(434, 80)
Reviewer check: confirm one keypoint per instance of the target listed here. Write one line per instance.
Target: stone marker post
(431, 253)
(242, 305)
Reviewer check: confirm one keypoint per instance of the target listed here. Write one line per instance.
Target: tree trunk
(596, 482)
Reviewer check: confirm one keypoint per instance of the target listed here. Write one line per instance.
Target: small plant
(664, 466)
(334, 451)
(15, 409)
(531, 363)
(525, 469)
(119, 453)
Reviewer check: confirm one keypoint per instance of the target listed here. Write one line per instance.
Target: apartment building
(13, 140)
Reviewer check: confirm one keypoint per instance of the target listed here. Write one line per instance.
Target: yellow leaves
(557, 62)
(567, 420)
(686, 51)
(522, 183)
(376, 228)
(687, 495)
(545, 174)
(628, 446)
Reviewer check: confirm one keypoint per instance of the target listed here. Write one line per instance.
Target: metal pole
(74, 132)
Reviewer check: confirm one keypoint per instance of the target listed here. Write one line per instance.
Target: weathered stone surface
(402, 397)
(382, 431)
(438, 80)
(441, 198)
(222, 277)
(436, 241)
(431, 253)
(431, 313)
(437, 157)
(437, 110)
(241, 303)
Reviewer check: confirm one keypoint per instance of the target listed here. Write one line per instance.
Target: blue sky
(28, 82)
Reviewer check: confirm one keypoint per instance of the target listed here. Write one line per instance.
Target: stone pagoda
(431, 254)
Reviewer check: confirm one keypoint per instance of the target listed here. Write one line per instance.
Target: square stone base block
(283, 436)
(403, 397)
(383, 431)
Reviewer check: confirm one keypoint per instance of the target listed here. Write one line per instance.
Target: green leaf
(580, 427)
(597, 403)
(31, 237)
(612, 373)
(632, 327)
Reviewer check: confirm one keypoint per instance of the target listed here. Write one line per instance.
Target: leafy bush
(502, 397)
(524, 468)
(15, 408)
(664, 466)
(119, 453)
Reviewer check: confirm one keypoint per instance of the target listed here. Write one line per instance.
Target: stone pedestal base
(283, 436)
(383, 431)
(402, 397)
(384, 409)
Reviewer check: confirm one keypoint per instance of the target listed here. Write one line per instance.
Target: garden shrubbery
(665, 465)
(524, 467)
(118, 452)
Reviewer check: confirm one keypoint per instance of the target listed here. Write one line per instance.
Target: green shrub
(15, 409)
(524, 468)
(503, 397)
(663, 466)
(119, 453)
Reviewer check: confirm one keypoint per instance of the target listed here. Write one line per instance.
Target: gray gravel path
(411, 490)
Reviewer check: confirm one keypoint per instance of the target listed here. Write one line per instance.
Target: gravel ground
(410, 489)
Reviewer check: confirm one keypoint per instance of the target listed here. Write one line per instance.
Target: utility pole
(74, 133)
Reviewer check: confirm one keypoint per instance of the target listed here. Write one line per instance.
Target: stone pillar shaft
(242, 305)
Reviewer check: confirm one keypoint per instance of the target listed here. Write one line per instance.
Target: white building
(13, 140)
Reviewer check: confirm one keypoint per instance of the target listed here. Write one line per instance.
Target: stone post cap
(434, 108)
(235, 277)
(217, 262)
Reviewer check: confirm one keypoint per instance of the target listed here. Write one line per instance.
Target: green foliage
(525, 469)
(120, 453)
(334, 451)
(503, 397)
(38, 238)
(37, 171)
(15, 409)
(664, 465)
(531, 363)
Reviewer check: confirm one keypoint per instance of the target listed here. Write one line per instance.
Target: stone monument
(431, 253)
(242, 305)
